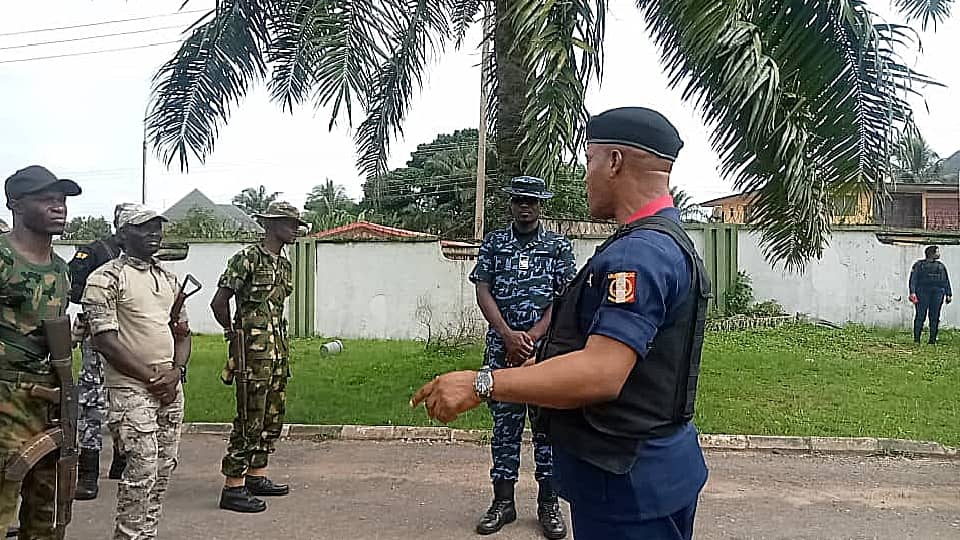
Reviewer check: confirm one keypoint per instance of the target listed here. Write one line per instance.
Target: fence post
(303, 299)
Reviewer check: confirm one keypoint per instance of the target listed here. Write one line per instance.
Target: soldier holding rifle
(259, 277)
(38, 401)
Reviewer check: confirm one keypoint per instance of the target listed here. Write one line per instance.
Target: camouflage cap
(136, 214)
(120, 208)
(281, 210)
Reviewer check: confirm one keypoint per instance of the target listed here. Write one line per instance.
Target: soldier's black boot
(239, 499)
(118, 464)
(548, 512)
(502, 511)
(261, 486)
(88, 473)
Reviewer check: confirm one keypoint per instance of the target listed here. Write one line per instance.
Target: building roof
(725, 199)
(225, 212)
(365, 230)
(928, 187)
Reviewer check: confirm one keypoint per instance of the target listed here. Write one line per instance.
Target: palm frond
(462, 15)
(212, 71)
(424, 29)
(562, 54)
(927, 11)
(355, 37)
(292, 51)
(803, 98)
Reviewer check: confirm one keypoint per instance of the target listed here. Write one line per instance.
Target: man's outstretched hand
(448, 396)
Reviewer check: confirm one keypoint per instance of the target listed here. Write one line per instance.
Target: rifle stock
(59, 341)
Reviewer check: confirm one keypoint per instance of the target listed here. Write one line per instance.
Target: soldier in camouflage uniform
(518, 273)
(259, 277)
(34, 285)
(92, 393)
(127, 302)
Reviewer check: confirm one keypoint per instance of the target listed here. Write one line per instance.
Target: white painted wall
(857, 280)
(206, 262)
(373, 289)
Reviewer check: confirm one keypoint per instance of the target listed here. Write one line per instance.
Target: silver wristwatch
(483, 384)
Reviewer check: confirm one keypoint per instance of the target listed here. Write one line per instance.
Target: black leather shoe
(117, 466)
(500, 513)
(551, 520)
(261, 486)
(239, 499)
(88, 473)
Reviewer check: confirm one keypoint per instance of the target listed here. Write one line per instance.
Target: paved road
(371, 491)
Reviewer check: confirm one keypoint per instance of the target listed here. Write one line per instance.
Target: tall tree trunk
(511, 95)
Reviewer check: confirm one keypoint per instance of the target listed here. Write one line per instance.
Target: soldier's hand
(518, 344)
(448, 396)
(165, 385)
(949, 299)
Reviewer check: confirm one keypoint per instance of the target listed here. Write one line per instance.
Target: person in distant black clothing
(929, 288)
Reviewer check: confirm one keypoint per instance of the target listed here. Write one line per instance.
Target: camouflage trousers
(150, 437)
(252, 442)
(93, 399)
(21, 418)
(508, 424)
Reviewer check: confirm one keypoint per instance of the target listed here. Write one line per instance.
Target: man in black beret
(616, 376)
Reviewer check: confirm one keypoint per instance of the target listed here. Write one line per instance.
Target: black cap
(528, 186)
(34, 179)
(638, 127)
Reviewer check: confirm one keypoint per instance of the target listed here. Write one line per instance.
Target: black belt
(10, 375)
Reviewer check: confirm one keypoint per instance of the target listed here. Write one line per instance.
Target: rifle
(177, 328)
(241, 345)
(64, 437)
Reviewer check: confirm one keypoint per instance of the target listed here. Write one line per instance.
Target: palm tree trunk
(511, 94)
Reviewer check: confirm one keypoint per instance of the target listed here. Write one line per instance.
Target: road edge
(827, 445)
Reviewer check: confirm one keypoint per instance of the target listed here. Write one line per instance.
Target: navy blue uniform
(630, 291)
(524, 280)
(931, 283)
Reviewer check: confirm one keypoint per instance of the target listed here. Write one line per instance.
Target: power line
(103, 51)
(84, 38)
(101, 23)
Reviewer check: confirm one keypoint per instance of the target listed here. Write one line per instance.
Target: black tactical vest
(659, 394)
(931, 275)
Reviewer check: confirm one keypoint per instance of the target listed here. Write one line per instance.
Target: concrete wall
(206, 262)
(857, 280)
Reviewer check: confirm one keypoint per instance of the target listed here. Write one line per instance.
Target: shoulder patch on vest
(622, 287)
(80, 255)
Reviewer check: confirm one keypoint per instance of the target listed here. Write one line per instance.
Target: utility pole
(143, 160)
(482, 140)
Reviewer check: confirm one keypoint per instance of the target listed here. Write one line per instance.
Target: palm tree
(914, 160)
(684, 204)
(804, 97)
(255, 200)
(328, 198)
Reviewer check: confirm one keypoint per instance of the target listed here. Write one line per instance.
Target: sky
(81, 115)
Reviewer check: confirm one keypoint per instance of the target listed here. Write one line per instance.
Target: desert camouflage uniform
(261, 282)
(28, 294)
(524, 280)
(149, 432)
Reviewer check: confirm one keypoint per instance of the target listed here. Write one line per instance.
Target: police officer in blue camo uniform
(616, 376)
(519, 271)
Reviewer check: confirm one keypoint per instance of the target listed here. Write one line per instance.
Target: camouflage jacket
(524, 280)
(29, 293)
(261, 283)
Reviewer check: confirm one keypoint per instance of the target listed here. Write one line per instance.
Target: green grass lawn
(796, 380)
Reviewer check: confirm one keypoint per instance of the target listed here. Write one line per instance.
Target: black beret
(638, 127)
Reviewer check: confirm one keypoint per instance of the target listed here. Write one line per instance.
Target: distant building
(929, 206)
(229, 213)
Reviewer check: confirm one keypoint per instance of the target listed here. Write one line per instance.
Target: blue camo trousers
(92, 399)
(508, 424)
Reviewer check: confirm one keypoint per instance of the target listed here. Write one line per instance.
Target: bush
(739, 296)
